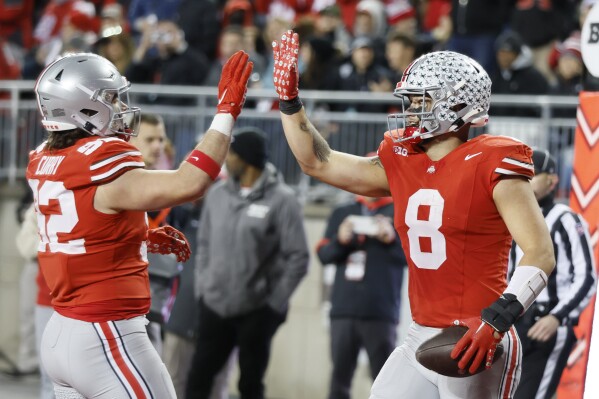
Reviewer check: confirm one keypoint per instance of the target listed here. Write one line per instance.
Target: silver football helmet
(86, 91)
(460, 91)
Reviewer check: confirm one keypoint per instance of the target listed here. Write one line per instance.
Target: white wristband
(526, 284)
(222, 123)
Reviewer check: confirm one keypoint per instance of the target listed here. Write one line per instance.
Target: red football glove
(286, 75)
(168, 240)
(479, 343)
(232, 86)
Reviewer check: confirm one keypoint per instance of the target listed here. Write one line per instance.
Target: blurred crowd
(527, 46)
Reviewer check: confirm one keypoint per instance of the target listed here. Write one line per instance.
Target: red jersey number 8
(428, 248)
(63, 222)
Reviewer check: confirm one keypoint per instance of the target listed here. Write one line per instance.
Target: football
(434, 353)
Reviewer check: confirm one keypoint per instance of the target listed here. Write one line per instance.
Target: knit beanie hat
(509, 41)
(250, 144)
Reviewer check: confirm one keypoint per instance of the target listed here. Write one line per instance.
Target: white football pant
(112, 359)
(402, 377)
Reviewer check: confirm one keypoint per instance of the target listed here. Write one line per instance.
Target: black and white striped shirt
(572, 283)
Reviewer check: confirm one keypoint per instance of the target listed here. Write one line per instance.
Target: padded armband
(526, 284)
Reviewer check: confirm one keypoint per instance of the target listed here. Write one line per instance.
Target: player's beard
(412, 116)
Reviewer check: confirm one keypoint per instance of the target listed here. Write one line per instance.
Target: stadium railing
(549, 123)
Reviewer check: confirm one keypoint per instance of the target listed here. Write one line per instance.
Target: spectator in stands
(91, 14)
(476, 25)
(232, 39)
(320, 60)
(113, 15)
(116, 46)
(253, 45)
(143, 13)
(238, 12)
(252, 254)
(540, 24)
(572, 47)
(546, 329)
(401, 16)
(568, 67)
(176, 63)
(365, 299)
(433, 12)
(289, 10)
(371, 19)
(436, 26)
(273, 31)
(400, 51)
(200, 21)
(329, 25)
(65, 26)
(371, 22)
(16, 22)
(361, 73)
(10, 68)
(55, 14)
(516, 74)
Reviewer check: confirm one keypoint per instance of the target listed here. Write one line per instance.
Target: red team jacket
(95, 264)
(455, 241)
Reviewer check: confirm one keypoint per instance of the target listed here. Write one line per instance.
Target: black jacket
(188, 68)
(521, 78)
(377, 296)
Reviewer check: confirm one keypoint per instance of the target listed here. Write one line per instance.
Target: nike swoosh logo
(220, 100)
(469, 156)
(196, 158)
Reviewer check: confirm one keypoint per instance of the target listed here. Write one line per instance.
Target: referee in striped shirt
(546, 329)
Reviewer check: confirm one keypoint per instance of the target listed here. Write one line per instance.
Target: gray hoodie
(252, 251)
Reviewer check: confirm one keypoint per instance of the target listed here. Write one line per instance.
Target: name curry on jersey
(77, 241)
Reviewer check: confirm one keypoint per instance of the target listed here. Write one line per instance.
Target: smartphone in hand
(366, 225)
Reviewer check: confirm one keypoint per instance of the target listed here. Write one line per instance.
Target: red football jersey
(454, 239)
(95, 264)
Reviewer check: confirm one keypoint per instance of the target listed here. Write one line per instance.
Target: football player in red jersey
(91, 192)
(458, 202)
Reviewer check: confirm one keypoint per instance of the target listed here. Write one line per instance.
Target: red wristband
(202, 161)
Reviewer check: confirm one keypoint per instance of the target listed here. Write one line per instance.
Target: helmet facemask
(459, 91)
(125, 120)
(418, 123)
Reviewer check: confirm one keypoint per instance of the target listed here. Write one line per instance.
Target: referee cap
(543, 162)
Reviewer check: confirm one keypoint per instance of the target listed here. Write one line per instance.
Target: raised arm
(142, 189)
(359, 175)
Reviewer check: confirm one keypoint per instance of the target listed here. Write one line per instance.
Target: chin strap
(476, 122)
